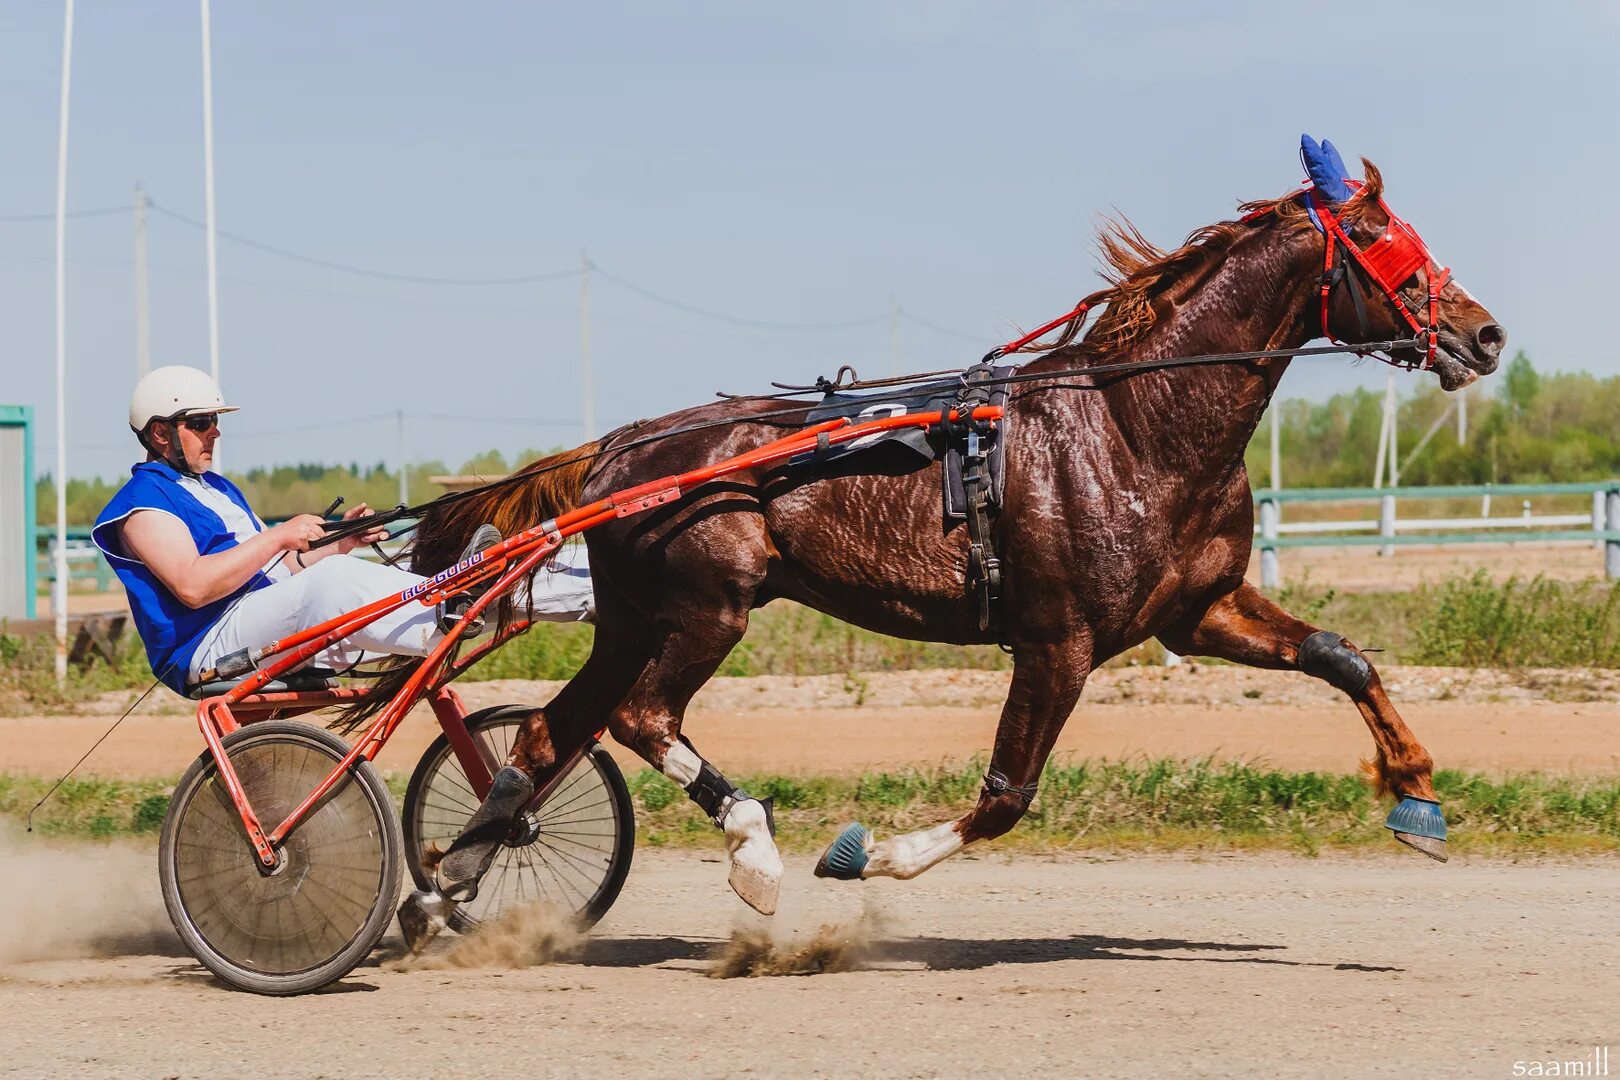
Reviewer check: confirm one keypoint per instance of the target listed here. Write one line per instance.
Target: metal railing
(1390, 532)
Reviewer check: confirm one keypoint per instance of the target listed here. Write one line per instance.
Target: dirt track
(1252, 966)
(1556, 721)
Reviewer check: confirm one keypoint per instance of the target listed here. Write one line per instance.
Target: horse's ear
(1331, 153)
(1326, 170)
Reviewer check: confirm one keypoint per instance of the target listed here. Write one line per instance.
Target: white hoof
(756, 867)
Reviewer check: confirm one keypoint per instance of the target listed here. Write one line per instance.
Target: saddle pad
(933, 444)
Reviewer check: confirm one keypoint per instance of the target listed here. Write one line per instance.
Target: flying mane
(1139, 272)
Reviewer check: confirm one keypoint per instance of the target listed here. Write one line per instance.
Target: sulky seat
(308, 680)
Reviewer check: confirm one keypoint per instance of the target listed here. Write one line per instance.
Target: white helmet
(169, 393)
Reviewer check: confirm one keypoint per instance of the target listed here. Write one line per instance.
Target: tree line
(1524, 426)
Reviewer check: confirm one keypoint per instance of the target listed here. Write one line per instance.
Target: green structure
(17, 571)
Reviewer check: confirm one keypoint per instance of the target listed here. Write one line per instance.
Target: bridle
(1397, 254)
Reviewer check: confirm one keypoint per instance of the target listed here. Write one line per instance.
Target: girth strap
(983, 565)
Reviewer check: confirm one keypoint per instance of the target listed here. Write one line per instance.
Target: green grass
(1463, 621)
(1083, 805)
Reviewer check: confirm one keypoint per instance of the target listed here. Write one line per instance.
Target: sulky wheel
(572, 850)
(329, 899)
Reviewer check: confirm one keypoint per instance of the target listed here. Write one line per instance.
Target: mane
(1138, 272)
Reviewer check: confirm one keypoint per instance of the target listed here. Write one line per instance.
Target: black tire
(580, 869)
(310, 922)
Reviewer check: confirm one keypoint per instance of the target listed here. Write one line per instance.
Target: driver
(206, 577)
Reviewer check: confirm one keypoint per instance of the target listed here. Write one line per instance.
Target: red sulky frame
(508, 563)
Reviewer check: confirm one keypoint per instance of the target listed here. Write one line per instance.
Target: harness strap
(996, 784)
(984, 566)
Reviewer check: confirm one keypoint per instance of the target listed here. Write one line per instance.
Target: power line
(362, 271)
(521, 279)
(764, 324)
(938, 329)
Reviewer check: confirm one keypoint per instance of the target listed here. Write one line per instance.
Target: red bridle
(1389, 261)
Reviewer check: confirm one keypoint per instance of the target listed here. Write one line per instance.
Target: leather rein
(1389, 262)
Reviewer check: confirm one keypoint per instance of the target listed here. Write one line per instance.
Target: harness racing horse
(1126, 514)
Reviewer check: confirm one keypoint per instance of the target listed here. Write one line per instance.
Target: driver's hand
(370, 536)
(296, 534)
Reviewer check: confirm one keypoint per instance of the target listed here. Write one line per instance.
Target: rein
(355, 526)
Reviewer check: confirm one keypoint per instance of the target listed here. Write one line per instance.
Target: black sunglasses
(201, 423)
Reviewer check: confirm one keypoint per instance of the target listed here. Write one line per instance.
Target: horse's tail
(550, 487)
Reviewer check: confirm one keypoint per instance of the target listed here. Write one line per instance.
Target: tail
(551, 486)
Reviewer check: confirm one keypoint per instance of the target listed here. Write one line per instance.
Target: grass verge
(1463, 621)
(1083, 806)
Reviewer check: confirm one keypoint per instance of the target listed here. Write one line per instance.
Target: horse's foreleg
(1046, 683)
(1246, 628)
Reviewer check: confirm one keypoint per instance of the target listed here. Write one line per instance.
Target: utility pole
(1276, 446)
(894, 336)
(586, 386)
(208, 200)
(1383, 444)
(404, 484)
(1392, 404)
(59, 587)
(143, 324)
(1462, 417)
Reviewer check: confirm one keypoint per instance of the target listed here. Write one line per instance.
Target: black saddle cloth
(938, 443)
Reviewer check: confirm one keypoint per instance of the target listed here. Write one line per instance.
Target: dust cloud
(74, 901)
(847, 946)
(527, 936)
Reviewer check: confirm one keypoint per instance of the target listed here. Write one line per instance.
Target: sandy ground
(1557, 721)
(1248, 966)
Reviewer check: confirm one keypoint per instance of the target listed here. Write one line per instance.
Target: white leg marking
(681, 763)
(756, 866)
(909, 855)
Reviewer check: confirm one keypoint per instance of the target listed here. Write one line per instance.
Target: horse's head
(1381, 283)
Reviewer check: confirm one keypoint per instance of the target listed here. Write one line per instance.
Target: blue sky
(785, 164)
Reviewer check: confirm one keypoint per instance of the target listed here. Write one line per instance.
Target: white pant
(338, 584)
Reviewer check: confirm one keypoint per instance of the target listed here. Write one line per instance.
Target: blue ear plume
(1331, 152)
(1324, 167)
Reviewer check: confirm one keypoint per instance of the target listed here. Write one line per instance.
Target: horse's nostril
(1490, 338)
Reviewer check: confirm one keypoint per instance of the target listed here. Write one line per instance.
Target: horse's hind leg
(649, 722)
(1245, 627)
(620, 651)
(1046, 684)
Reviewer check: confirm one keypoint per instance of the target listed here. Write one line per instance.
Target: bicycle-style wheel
(571, 849)
(333, 891)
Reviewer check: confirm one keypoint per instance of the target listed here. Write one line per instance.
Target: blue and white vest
(170, 630)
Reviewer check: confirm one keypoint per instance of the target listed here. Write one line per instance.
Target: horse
(1127, 515)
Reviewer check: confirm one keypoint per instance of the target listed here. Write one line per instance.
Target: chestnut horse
(1127, 514)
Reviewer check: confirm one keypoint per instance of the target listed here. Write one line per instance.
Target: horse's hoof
(756, 866)
(1434, 849)
(846, 856)
(759, 888)
(461, 868)
(1418, 823)
(422, 917)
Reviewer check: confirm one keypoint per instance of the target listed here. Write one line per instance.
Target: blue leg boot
(846, 856)
(1418, 823)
